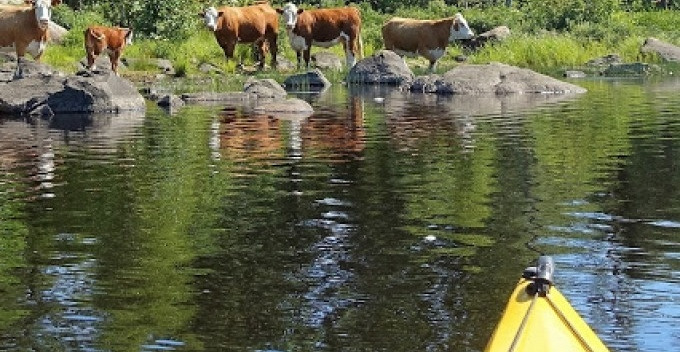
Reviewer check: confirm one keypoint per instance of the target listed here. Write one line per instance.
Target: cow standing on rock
(257, 24)
(427, 38)
(325, 28)
(26, 28)
(111, 39)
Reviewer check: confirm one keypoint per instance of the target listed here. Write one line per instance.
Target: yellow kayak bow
(539, 318)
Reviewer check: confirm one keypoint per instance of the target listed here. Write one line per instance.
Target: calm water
(383, 222)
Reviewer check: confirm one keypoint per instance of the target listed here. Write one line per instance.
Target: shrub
(561, 14)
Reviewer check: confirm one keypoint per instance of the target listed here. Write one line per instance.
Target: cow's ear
(220, 13)
(300, 11)
(456, 24)
(56, 2)
(279, 10)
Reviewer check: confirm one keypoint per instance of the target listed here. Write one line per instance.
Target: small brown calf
(112, 39)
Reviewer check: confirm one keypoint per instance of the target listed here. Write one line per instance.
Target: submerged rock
(628, 69)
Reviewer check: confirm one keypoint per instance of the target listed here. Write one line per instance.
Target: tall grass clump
(541, 52)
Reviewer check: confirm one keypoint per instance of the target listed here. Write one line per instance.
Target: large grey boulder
(666, 51)
(494, 78)
(56, 33)
(45, 92)
(385, 67)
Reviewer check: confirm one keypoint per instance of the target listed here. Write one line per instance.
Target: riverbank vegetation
(546, 34)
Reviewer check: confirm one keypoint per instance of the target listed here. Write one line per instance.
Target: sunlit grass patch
(543, 51)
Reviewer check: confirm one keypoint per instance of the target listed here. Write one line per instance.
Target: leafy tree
(167, 19)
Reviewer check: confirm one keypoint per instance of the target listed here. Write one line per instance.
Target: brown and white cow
(427, 38)
(26, 28)
(257, 24)
(324, 28)
(110, 39)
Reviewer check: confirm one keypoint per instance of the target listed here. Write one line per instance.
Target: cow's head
(290, 14)
(128, 35)
(43, 11)
(460, 29)
(210, 16)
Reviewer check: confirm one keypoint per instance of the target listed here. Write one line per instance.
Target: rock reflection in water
(34, 151)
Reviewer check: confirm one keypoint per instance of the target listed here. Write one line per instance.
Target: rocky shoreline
(46, 92)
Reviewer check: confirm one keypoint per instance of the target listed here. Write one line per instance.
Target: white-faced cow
(257, 24)
(110, 39)
(427, 38)
(26, 28)
(325, 28)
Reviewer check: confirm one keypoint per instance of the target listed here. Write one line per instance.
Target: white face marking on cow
(128, 37)
(210, 17)
(36, 48)
(289, 12)
(43, 12)
(460, 29)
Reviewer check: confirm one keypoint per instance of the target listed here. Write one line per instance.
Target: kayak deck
(542, 321)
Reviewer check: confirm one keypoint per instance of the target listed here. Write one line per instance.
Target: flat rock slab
(494, 78)
(666, 51)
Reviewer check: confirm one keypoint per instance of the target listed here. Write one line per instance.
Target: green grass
(622, 34)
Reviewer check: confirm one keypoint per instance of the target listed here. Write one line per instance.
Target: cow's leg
(433, 55)
(350, 50)
(228, 49)
(299, 58)
(346, 47)
(20, 51)
(114, 55)
(19, 72)
(92, 54)
(433, 65)
(307, 55)
(261, 49)
(273, 47)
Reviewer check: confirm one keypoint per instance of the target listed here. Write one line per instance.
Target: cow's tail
(95, 35)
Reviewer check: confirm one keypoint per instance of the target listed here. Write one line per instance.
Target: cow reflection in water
(337, 136)
(259, 137)
(410, 125)
(28, 152)
(254, 137)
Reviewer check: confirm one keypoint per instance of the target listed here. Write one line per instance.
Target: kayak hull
(542, 323)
